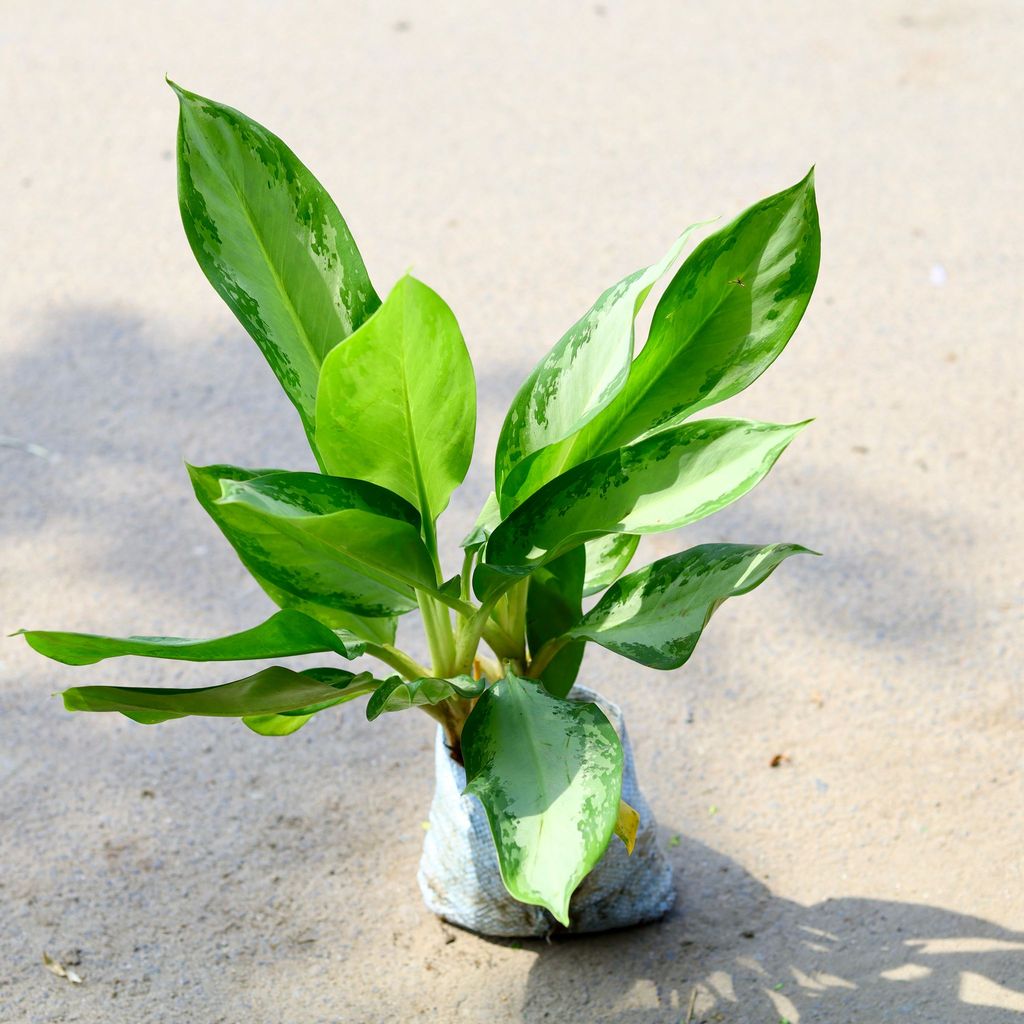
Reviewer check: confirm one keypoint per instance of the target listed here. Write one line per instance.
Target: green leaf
(288, 722)
(396, 694)
(353, 522)
(549, 775)
(275, 521)
(656, 615)
(284, 634)
(668, 480)
(397, 401)
(607, 559)
(724, 318)
(553, 604)
(484, 526)
(271, 242)
(274, 691)
(584, 371)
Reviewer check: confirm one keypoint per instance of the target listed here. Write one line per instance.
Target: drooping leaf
(607, 559)
(724, 318)
(292, 573)
(397, 694)
(549, 775)
(274, 691)
(584, 371)
(271, 242)
(662, 482)
(553, 605)
(397, 402)
(284, 634)
(656, 615)
(484, 526)
(288, 722)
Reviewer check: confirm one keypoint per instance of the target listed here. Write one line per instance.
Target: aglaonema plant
(598, 448)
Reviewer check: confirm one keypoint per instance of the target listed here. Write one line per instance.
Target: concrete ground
(520, 158)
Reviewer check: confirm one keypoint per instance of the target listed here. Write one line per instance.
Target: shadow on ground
(742, 954)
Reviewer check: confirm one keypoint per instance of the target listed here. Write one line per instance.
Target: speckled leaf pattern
(553, 604)
(274, 691)
(662, 482)
(397, 694)
(397, 401)
(271, 242)
(357, 524)
(347, 600)
(724, 318)
(656, 615)
(549, 775)
(581, 374)
(284, 634)
(607, 559)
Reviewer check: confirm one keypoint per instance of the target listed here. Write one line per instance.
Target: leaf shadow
(743, 954)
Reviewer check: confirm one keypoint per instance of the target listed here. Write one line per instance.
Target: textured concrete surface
(521, 158)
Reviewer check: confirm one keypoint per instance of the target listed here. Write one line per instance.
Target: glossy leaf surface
(549, 775)
(271, 242)
(284, 634)
(656, 615)
(581, 374)
(397, 401)
(397, 694)
(351, 522)
(607, 559)
(274, 691)
(291, 567)
(489, 517)
(723, 320)
(662, 482)
(553, 605)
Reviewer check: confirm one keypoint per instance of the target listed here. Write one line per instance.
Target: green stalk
(405, 665)
(437, 624)
(545, 656)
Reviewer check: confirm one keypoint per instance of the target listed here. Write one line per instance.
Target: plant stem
(545, 655)
(401, 662)
(437, 624)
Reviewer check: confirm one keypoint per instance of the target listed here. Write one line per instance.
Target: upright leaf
(284, 634)
(724, 318)
(668, 480)
(549, 775)
(397, 694)
(333, 602)
(271, 242)
(582, 373)
(397, 401)
(656, 615)
(274, 691)
(553, 604)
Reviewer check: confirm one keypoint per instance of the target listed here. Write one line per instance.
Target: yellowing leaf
(627, 821)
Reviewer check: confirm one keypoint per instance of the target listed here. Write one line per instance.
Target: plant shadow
(741, 954)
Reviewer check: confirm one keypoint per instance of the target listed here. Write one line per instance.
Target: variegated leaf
(549, 775)
(656, 615)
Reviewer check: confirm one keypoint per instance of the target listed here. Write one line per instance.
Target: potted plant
(598, 448)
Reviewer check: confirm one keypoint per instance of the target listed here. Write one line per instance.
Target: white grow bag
(459, 875)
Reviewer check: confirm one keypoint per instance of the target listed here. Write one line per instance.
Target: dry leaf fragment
(54, 966)
(779, 759)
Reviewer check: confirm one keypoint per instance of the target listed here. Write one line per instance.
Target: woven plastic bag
(459, 875)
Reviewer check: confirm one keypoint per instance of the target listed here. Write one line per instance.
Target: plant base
(459, 875)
